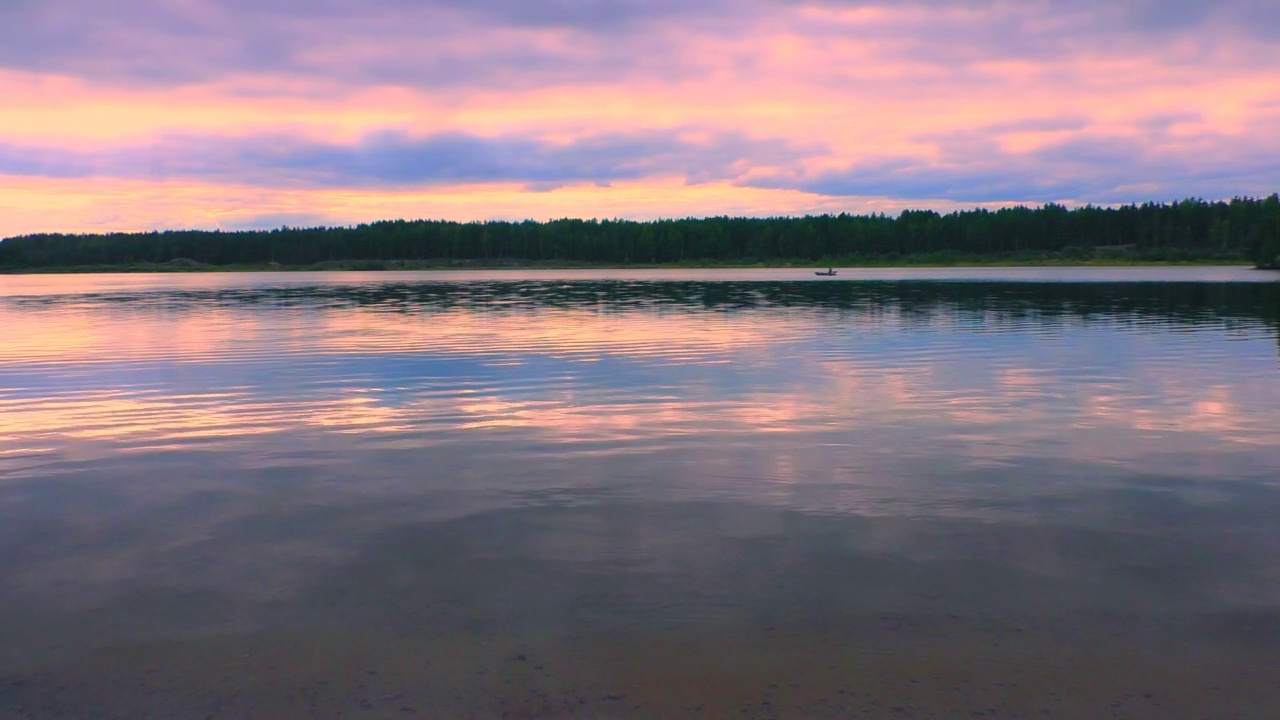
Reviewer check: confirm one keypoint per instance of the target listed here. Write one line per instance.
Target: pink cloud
(831, 105)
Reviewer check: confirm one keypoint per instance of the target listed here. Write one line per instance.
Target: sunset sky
(146, 114)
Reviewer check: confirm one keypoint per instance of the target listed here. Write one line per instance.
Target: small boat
(830, 272)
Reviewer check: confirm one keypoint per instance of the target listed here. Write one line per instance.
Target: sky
(234, 114)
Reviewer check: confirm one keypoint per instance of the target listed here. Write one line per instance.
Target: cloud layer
(394, 160)
(645, 108)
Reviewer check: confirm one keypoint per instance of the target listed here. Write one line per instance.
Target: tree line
(1184, 230)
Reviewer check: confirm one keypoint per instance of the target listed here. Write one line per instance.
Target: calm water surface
(749, 494)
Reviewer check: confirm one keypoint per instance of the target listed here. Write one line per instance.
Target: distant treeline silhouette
(1186, 230)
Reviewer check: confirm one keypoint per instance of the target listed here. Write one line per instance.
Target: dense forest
(1243, 228)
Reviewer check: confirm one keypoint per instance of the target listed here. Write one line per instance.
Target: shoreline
(413, 265)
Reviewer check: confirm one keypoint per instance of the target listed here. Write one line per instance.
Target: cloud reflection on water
(614, 366)
(231, 457)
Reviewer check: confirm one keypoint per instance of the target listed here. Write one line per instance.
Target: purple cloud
(393, 159)
(431, 42)
(1261, 16)
(1086, 166)
(439, 43)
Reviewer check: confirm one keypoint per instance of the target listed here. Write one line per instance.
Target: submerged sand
(882, 667)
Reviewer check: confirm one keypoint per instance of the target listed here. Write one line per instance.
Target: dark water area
(751, 494)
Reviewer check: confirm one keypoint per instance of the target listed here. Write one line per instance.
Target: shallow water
(928, 493)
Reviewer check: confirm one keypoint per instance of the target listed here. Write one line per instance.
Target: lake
(929, 493)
